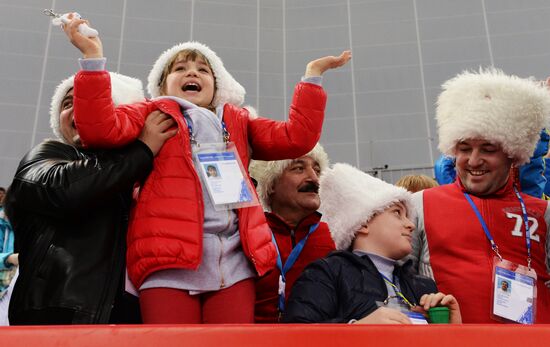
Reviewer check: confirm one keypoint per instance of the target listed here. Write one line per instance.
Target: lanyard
(192, 135)
(397, 291)
(490, 237)
(292, 257)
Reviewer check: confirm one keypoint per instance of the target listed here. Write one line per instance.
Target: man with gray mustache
(288, 190)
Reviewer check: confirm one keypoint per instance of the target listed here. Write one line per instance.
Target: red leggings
(172, 306)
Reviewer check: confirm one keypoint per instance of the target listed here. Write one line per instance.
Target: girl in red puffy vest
(190, 261)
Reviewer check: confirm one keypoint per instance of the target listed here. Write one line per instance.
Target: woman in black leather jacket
(69, 209)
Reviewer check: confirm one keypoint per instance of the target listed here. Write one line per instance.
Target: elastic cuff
(92, 64)
(318, 80)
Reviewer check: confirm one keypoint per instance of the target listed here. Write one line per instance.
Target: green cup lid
(439, 308)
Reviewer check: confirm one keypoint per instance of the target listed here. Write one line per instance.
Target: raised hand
(318, 66)
(91, 47)
(158, 128)
(60, 19)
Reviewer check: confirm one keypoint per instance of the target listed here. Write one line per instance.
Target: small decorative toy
(60, 19)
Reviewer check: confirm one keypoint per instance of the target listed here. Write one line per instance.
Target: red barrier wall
(276, 335)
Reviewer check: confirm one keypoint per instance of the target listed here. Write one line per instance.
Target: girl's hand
(428, 301)
(318, 66)
(91, 47)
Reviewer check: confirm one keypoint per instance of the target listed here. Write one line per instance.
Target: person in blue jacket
(8, 261)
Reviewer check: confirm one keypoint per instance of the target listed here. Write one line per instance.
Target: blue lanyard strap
(526, 223)
(397, 291)
(292, 257)
(490, 237)
(225, 132)
(483, 225)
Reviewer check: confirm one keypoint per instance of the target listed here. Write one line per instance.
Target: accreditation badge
(514, 293)
(394, 304)
(226, 180)
(416, 318)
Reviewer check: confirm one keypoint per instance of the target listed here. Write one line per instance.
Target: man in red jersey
(471, 235)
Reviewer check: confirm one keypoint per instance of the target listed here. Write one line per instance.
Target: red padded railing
(276, 335)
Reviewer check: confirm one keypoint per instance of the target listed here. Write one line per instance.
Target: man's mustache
(309, 187)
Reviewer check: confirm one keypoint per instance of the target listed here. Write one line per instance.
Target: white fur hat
(493, 106)
(228, 90)
(124, 90)
(350, 198)
(267, 172)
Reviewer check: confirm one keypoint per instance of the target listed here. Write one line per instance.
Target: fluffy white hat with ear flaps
(267, 172)
(350, 198)
(493, 106)
(228, 90)
(124, 90)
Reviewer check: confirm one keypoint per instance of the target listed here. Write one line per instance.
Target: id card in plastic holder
(514, 295)
(226, 180)
(415, 317)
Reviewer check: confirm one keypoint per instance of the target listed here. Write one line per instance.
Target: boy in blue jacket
(365, 281)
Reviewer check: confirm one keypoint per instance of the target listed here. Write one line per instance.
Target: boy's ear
(363, 230)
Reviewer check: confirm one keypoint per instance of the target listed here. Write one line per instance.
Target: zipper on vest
(293, 238)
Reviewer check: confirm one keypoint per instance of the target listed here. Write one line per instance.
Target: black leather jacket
(69, 210)
(345, 286)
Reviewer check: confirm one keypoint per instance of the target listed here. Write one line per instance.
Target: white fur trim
(350, 198)
(124, 90)
(493, 106)
(267, 172)
(228, 90)
(252, 113)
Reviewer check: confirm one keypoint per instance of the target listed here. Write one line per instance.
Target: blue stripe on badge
(216, 156)
(515, 276)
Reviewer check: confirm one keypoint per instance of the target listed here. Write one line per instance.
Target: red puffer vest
(461, 256)
(165, 229)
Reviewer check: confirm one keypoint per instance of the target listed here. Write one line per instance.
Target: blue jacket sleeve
(532, 175)
(547, 176)
(6, 243)
(444, 169)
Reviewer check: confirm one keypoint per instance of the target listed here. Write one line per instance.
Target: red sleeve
(276, 140)
(100, 124)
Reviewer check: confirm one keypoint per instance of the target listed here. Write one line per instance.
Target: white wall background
(380, 107)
